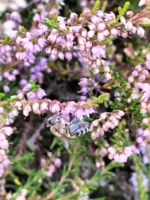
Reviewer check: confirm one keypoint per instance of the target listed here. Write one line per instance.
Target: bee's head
(53, 120)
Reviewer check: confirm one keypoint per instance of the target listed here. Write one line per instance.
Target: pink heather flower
(84, 90)
(148, 61)
(20, 96)
(4, 144)
(6, 88)
(68, 56)
(44, 106)
(124, 35)
(69, 109)
(92, 27)
(84, 33)
(61, 55)
(94, 135)
(106, 33)
(98, 51)
(36, 108)
(114, 32)
(135, 73)
(79, 113)
(40, 93)
(6, 163)
(142, 3)
(22, 195)
(55, 108)
(83, 82)
(95, 19)
(18, 105)
(128, 151)
(2, 137)
(82, 41)
(88, 44)
(101, 27)
(117, 157)
(108, 76)
(114, 121)
(50, 170)
(138, 68)
(73, 16)
(134, 149)
(15, 16)
(103, 115)
(1, 171)
(141, 32)
(123, 158)
(91, 34)
(23, 82)
(111, 150)
(120, 113)
(26, 110)
(89, 111)
(27, 87)
(31, 95)
(52, 37)
(7, 130)
(13, 113)
(69, 45)
(54, 54)
(100, 36)
(95, 123)
(129, 26)
(41, 42)
(75, 29)
(98, 164)
(69, 37)
(83, 98)
(100, 131)
(103, 152)
(57, 162)
(100, 13)
(21, 55)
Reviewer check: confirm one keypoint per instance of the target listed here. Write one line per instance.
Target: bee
(67, 130)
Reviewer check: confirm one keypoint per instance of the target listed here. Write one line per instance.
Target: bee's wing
(66, 142)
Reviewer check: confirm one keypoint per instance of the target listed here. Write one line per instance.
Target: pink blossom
(55, 108)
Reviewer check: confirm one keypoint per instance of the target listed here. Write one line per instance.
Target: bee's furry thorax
(62, 128)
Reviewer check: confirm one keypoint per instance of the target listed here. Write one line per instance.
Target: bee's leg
(31, 143)
(66, 144)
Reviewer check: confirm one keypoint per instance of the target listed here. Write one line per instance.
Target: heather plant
(74, 100)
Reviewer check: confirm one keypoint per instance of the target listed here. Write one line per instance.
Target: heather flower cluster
(90, 63)
(105, 122)
(50, 166)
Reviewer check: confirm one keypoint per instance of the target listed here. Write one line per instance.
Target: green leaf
(2, 95)
(6, 40)
(126, 6)
(96, 6)
(107, 175)
(51, 23)
(113, 165)
(146, 23)
(34, 86)
(123, 10)
(101, 98)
